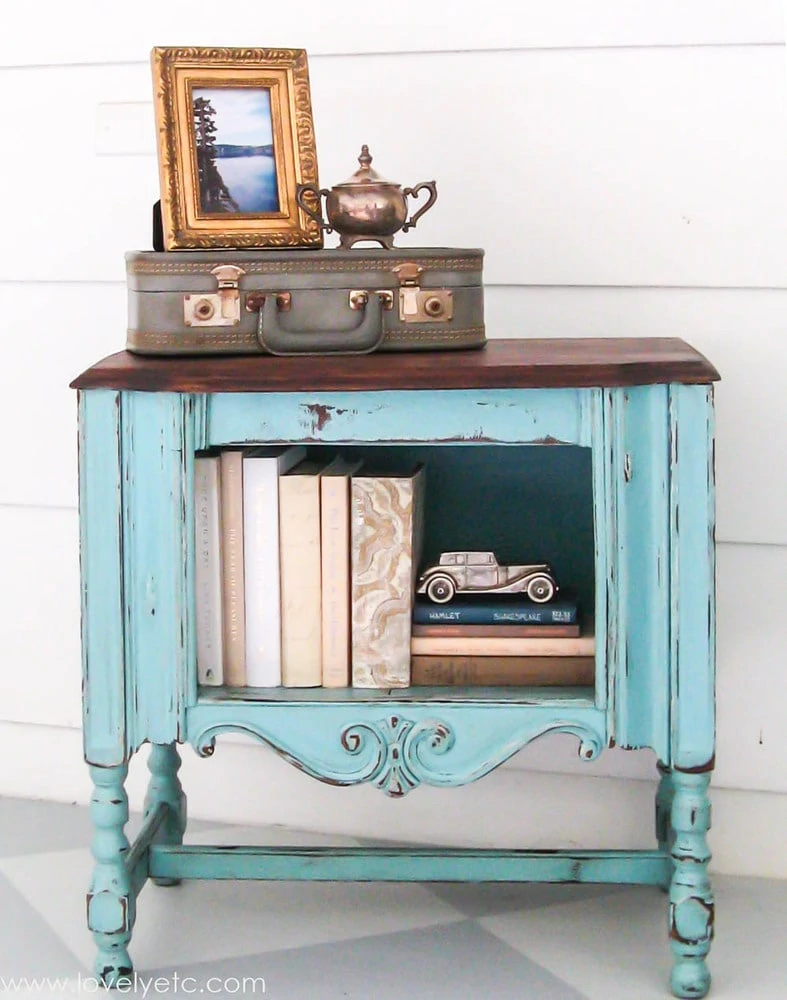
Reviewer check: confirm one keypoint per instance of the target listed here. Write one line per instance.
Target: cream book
(261, 470)
(435, 645)
(335, 558)
(385, 542)
(207, 570)
(231, 479)
(301, 586)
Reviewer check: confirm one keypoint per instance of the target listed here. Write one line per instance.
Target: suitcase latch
(421, 305)
(220, 308)
(359, 298)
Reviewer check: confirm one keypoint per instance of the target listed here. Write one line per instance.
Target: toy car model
(480, 573)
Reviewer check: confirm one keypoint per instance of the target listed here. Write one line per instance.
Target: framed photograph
(235, 138)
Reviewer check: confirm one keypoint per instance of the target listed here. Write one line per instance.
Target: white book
(335, 556)
(301, 585)
(261, 470)
(207, 570)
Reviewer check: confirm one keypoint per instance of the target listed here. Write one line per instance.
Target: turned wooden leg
(664, 796)
(691, 897)
(164, 788)
(110, 901)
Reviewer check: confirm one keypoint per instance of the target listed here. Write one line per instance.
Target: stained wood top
(502, 364)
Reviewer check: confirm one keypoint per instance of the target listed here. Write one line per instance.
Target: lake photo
(233, 131)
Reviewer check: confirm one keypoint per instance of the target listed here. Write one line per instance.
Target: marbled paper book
(385, 536)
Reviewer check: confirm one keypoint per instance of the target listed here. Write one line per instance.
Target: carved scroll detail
(397, 754)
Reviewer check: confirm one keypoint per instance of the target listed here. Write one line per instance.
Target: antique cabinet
(600, 449)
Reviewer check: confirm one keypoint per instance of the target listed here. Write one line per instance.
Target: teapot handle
(431, 187)
(313, 213)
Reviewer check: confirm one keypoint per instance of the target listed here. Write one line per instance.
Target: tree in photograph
(214, 193)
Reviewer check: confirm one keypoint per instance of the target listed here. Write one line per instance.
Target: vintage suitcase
(304, 301)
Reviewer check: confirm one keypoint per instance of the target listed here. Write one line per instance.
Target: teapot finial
(365, 159)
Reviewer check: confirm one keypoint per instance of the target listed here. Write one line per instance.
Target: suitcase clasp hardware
(359, 298)
(256, 300)
(220, 308)
(421, 305)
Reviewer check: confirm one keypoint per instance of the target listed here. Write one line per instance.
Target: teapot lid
(366, 174)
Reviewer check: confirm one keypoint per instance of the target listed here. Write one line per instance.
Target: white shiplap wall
(623, 163)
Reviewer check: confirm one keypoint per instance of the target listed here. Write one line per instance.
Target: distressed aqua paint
(691, 912)
(401, 745)
(111, 901)
(649, 479)
(692, 665)
(692, 579)
(158, 553)
(641, 478)
(164, 789)
(605, 595)
(410, 864)
(100, 517)
(506, 415)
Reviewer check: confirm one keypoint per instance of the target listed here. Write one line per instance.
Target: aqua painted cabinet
(597, 454)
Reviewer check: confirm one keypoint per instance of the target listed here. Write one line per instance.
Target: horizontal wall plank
(47, 36)
(40, 681)
(63, 328)
(750, 690)
(57, 331)
(615, 167)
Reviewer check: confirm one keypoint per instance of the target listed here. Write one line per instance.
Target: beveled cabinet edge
(503, 363)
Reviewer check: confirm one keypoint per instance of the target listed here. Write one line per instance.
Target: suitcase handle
(363, 338)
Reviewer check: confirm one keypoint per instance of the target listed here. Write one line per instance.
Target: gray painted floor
(347, 941)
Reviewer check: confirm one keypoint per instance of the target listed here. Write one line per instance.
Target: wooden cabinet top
(502, 364)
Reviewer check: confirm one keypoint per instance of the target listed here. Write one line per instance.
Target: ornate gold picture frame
(235, 138)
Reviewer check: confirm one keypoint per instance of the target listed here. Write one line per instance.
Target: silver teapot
(365, 206)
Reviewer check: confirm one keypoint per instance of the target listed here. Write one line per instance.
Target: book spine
(493, 671)
(261, 571)
(301, 613)
(518, 631)
(464, 613)
(207, 571)
(385, 534)
(231, 478)
(335, 555)
(584, 645)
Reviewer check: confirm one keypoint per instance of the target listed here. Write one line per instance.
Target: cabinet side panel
(158, 473)
(641, 479)
(101, 565)
(692, 577)
(605, 608)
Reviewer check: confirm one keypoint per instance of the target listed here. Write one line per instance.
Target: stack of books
(304, 569)
(501, 641)
(305, 577)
